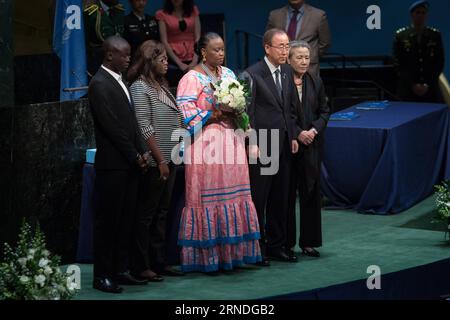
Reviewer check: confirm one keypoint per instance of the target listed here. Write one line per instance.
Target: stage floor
(352, 243)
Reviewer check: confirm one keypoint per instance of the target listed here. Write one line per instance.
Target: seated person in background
(419, 58)
(102, 20)
(139, 27)
(179, 28)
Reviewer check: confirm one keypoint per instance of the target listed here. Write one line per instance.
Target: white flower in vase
(40, 280)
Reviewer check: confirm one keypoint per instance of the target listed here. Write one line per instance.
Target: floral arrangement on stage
(443, 202)
(30, 272)
(234, 94)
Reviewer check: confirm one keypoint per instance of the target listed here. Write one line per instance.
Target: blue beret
(420, 3)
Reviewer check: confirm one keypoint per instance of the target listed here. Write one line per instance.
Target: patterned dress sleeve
(188, 94)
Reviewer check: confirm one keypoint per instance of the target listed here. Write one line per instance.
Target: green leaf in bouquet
(243, 121)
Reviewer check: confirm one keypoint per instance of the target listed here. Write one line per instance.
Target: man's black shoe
(128, 280)
(106, 285)
(282, 256)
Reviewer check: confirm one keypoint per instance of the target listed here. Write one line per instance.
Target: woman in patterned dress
(219, 227)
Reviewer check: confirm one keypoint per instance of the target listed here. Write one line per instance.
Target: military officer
(139, 27)
(418, 57)
(102, 18)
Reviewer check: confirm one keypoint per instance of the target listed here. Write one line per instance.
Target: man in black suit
(272, 108)
(121, 155)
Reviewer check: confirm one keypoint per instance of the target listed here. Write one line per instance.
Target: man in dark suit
(304, 22)
(121, 155)
(272, 108)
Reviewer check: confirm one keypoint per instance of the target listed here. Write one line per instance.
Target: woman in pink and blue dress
(219, 227)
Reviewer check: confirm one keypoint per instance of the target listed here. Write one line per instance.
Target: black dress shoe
(313, 253)
(127, 279)
(171, 272)
(264, 262)
(282, 256)
(106, 285)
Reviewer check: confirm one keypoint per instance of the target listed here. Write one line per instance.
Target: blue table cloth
(385, 161)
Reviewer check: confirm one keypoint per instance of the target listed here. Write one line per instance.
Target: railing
(246, 37)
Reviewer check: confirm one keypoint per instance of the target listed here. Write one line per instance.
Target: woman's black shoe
(311, 253)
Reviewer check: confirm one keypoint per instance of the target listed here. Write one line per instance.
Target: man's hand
(295, 146)
(142, 163)
(306, 137)
(146, 157)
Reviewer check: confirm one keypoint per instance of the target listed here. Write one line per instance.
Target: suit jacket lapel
(283, 17)
(268, 79)
(118, 87)
(304, 22)
(285, 82)
(166, 97)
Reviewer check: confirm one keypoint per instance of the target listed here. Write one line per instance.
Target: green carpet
(352, 242)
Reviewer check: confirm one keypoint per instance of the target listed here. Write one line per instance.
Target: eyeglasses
(162, 60)
(282, 48)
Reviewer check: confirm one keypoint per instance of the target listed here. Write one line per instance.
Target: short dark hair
(204, 40)
(188, 7)
(268, 36)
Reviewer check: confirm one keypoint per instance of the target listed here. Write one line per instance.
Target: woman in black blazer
(312, 115)
(158, 117)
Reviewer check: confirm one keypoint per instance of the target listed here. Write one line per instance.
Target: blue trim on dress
(226, 199)
(219, 241)
(220, 266)
(215, 189)
(224, 194)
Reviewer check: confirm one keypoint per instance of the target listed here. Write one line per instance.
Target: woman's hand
(253, 152)
(163, 171)
(183, 67)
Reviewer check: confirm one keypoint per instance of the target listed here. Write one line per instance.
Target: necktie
(292, 29)
(278, 83)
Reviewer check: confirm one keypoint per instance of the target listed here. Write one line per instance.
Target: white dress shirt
(272, 69)
(118, 77)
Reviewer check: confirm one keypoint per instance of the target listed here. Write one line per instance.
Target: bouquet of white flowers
(234, 94)
(30, 272)
(443, 202)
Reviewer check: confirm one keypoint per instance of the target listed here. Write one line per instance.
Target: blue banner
(69, 45)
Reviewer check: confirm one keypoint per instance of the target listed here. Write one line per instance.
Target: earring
(204, 58)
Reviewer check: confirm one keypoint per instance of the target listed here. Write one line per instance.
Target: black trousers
(114, 212)
(150, 228)
(310, 207)
(270, 196)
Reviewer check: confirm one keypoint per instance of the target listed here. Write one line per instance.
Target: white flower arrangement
(234, 94)
(30, 272)
(443, 203)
